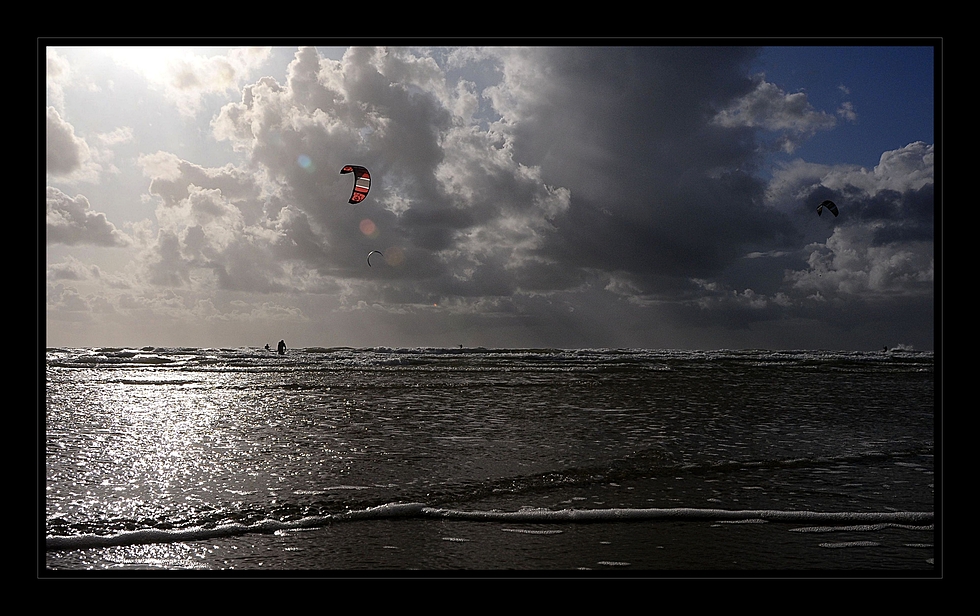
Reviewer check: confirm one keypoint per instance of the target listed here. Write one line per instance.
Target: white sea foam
(419, 510)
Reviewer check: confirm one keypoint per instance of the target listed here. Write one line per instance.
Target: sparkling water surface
(172, 442)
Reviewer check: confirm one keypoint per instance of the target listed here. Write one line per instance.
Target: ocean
(476, 461)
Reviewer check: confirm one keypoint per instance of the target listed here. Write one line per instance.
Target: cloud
(446, 194)
(906, 169)
(851, 263)
(874, 264)
(533, 189)
(72, 158)
(123, 134)
(66, 304)
(658, 191)
(72, 269)
(65, 153)
(846, 111)
(57, 75)
(883, 243)
(571, 167)
(187, 77)
(767, 106)
(72, 221)
(790, 115)
(171, 179)
(213, 235)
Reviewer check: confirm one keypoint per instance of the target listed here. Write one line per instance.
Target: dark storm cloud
(658, 189)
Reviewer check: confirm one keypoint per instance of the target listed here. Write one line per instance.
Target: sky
(585, 196)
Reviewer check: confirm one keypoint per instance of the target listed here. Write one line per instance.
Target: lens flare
(368, 228)
(394, 256)
(305, 162)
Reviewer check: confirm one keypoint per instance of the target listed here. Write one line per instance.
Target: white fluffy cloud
(66, 154)
(213, 230)
(791, 116)
(886, 247)
(72, 221)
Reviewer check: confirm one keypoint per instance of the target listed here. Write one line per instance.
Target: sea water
(389, 459)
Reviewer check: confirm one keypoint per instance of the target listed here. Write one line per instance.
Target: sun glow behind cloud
(185, 74)
(153, 63)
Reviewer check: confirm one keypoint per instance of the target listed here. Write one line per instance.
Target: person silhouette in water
(282, 347)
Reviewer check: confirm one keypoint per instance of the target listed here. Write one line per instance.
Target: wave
(394, 511)
(482, 357)
(367, 501)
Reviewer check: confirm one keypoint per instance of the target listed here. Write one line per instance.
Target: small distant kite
(362, 182)
(829, 205)
(371, 253)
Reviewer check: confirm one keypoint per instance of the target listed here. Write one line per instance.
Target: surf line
(416, 510)
(681, 513)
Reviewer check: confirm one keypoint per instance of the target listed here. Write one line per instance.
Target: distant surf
(529, 516)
